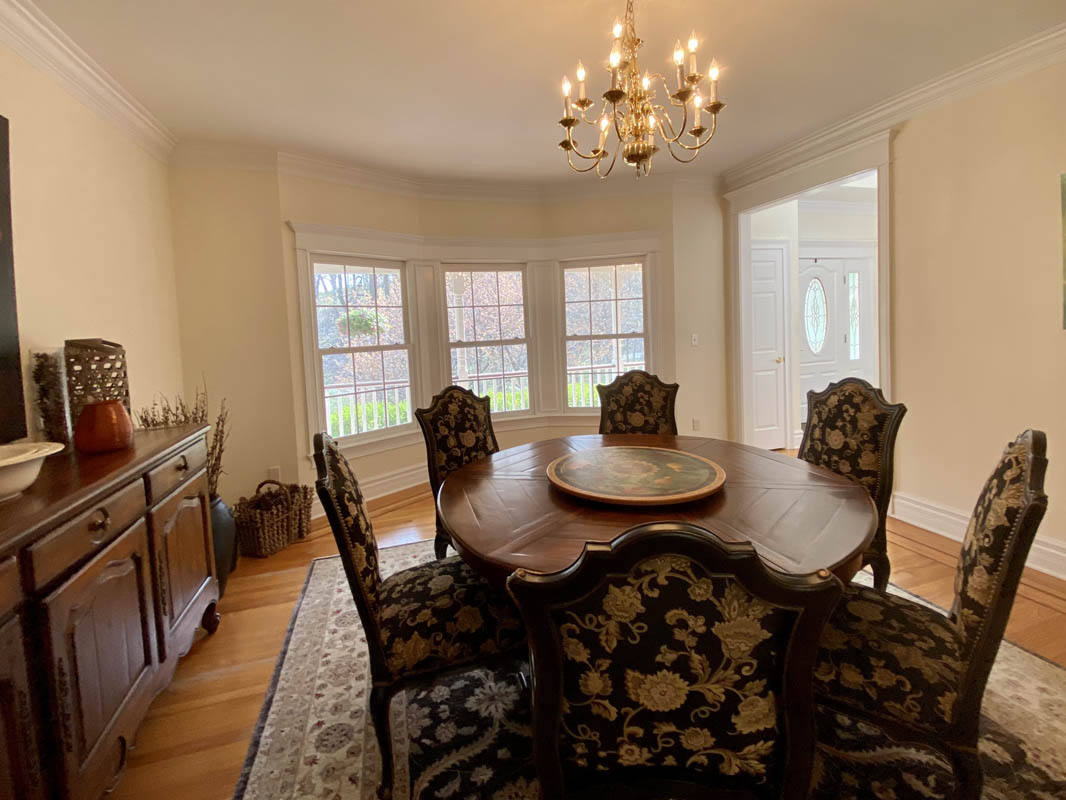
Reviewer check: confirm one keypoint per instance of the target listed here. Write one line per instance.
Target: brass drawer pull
(100, 525)
(183, 464)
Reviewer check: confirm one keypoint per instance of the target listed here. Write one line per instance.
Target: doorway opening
(810, 294)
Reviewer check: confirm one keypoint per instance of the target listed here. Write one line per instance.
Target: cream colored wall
(586, 216)
(700, 308)
(481, 218)
(91, 231)
(826, 226)
(231, 295)
(979, 351)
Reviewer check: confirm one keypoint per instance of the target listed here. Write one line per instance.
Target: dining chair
(638, 402)
(851, 430)
(668, 663)
(457, 427)
(419, 622)
(921, 674)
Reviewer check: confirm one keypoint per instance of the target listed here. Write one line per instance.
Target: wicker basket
(303, 498)
(268, 521)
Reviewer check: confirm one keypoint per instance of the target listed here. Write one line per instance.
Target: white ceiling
(468, 89)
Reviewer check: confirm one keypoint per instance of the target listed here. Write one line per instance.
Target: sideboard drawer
(86, 534)
(175, 470)
(10, 586)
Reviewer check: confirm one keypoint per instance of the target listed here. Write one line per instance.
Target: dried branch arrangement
(215, 447)
(164, 414)
(51, 397)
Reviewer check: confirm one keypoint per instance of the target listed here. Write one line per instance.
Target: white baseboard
(1046, 556)
(385, 483)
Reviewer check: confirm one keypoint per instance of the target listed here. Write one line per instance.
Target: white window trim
(652, 318)
(447, 345)
(411, 331)
(425, 259)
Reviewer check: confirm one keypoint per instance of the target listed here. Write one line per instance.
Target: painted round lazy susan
(636, 476)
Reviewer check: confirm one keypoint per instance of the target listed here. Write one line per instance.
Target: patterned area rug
(314, 738)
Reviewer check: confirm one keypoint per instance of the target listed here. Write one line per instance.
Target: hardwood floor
(196, 735)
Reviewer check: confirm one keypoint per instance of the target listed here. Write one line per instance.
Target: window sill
(409, 436)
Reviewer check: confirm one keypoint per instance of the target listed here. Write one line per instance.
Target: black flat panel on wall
(12, 410)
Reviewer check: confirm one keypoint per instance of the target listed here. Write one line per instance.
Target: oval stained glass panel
(815, 315)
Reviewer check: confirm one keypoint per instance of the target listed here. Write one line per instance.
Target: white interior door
(837, 325)
(769, 386)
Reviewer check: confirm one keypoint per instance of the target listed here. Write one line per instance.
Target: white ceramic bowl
(20, 464)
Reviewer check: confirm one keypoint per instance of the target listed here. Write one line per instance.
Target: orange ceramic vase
(103, 427)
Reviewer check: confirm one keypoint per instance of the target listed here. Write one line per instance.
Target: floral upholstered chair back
(638, 402)
(851, 430)
(343, 502)
(671, 656)
(458, 430)
(997, 542)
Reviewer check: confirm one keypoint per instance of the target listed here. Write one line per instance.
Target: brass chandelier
(631, 111)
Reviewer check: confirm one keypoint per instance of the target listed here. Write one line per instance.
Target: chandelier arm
(664, 117)
(670, 147)
(617, 148)
(595, 120)
(570, 161)
(573, 148)
(699, 145)
(666, 89)
(610, 167)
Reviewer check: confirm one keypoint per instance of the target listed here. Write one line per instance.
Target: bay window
(363, 345)
(488, 343)
(605, 325)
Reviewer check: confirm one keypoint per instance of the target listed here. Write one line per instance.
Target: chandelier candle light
(630, 108)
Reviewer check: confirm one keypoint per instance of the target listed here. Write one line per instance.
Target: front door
(837, 330)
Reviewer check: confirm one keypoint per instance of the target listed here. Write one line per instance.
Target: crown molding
(373, 243)
(302, 165)
(864, 154)
(356, 232)
(1022, 58)
(31, 34)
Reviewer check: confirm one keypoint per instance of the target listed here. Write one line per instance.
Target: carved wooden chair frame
(384, 686)
(876, 555)
(425, 417)
(614, 387)
(813, 595)
(959, 740)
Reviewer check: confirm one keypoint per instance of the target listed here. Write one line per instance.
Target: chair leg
(440, 544)
(380, 698)
(969, 779)
(882, 569)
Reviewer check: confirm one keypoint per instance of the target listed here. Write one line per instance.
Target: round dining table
(503, 513)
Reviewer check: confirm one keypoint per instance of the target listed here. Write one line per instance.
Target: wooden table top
(503, 513)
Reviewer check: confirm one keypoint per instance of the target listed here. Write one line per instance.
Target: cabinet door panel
(185, 563)
(20, 774)
(102, 636)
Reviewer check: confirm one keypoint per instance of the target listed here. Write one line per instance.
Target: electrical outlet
(695, 423)
(695, 340)
(274, 473)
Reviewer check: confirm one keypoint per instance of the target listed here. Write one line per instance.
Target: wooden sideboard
(106, 572)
